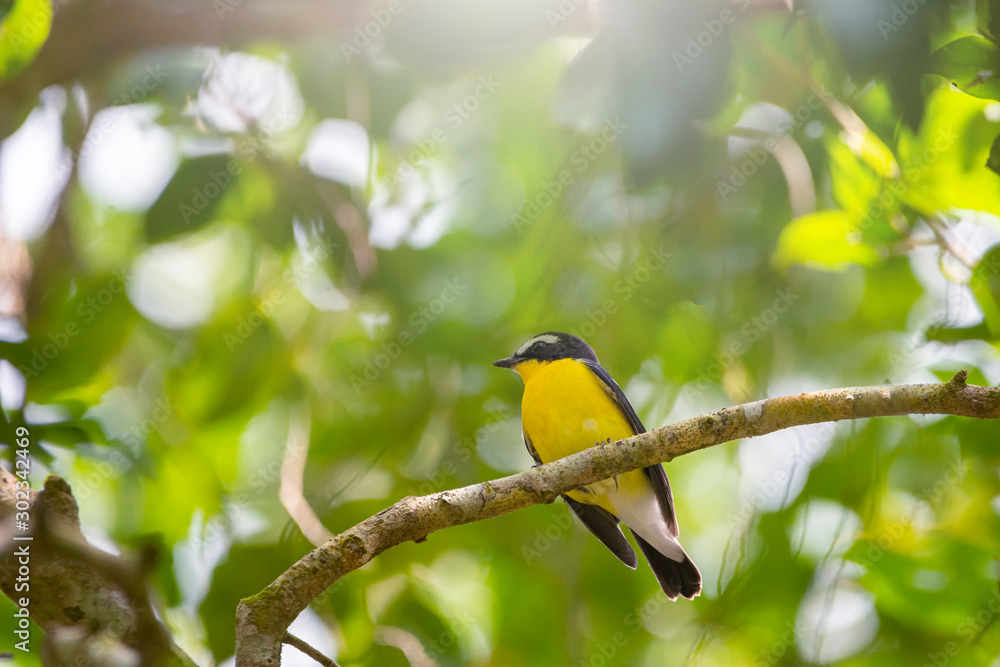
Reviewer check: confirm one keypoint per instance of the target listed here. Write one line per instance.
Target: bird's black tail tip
(677, 579)
(681, 580)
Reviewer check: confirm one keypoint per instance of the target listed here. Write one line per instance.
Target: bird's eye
(538, 347)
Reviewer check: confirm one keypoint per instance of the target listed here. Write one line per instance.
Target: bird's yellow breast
(566, 409)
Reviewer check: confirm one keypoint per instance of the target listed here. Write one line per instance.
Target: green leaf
(993, 161)
(985, 285)
(69, 345)
(943, 164)
(988, 17)
(23, 30)
(192, 196)
(826, 240)
(867, 146)
(69, 433)
(955, 334)
(972, 62)
(853, 183)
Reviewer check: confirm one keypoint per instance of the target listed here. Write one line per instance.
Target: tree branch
(85, 599)
(261, 620)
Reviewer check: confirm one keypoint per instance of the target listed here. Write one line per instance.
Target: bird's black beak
(509, 362)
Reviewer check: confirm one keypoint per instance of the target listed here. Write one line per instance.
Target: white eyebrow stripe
(548, 338)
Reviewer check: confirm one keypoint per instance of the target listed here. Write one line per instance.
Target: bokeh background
(256, 258)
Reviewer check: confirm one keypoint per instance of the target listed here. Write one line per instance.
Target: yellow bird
(571, 403)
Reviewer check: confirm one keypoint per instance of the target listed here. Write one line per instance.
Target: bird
(571, 403)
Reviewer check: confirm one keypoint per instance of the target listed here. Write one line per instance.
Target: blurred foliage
(24, 25)
(728, 200)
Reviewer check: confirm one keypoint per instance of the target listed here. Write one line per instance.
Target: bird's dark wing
(604, 525)
(655, 473)
(531, 448)
(617, 394)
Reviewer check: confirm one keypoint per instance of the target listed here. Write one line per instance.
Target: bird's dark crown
(550, 346)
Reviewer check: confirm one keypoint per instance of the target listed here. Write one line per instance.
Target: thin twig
(292, 640)
(293, 467)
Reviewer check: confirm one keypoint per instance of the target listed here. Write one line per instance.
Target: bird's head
(546, 348)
